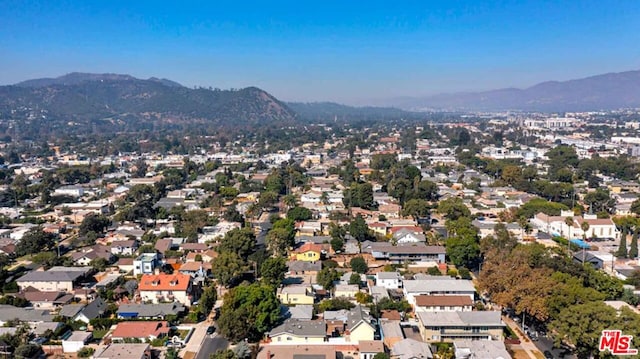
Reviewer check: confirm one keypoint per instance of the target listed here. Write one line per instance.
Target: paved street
(546, 344)
(211, 345)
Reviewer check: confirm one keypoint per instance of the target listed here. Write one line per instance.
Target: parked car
(211, 330)
(548, 355)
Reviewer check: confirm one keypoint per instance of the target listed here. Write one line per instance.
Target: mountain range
(112, 102)
(602, 92)
(107, 103)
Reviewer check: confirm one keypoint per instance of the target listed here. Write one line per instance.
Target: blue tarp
(580, 243)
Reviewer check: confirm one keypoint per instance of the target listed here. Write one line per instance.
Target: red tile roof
(141, 329)
(443, 300)
(309, 247)
(408, 228)
(155, 282)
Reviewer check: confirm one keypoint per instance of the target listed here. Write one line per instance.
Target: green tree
(571, 327)
(273, 270)
(337, 244)
(381, 356)
(99, 264)
(537, 205)
(248, 312)
(94, 223)
(85, 352)
(207, 300)
(633, 248)
(622, 249)
(28, 350)
(354, 279)
(426, 190)
(358, 229)
(239, 241)
(359, 265)
(338, 303)
(35, 241)
(453, 208)
(635, 207)
(416, 208)
(231, 214)
(326, 277)
(463, 251)
(299, 214)
(279, 240)
(227, 268)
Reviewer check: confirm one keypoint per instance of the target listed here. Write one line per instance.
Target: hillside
(601, 92)
(110, 102)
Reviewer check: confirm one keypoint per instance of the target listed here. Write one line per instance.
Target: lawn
(99, 334)
(182, 333)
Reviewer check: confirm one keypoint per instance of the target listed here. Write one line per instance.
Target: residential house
(407, 253)
(346, 290)
(378, 227)
(124, 248)
(157, 288)
(121, 351)
(407, 236)
(295, 332)
(125, 265)
(391, 332)
(194, 247)
(450, 326)
(389, 280)
(146, 263)
(140, 330)
(411, 349)
(300, 311)
(86, 255)
(195, 269)
(378, 293)
(443, 303)
(390, 210)
(308, 252)
(597, 259)
(369, 348)
(212, 233)
(45, 300)
(76, 341)
(296, 294)
(150, 311)
(84, 312)
(164, 244)
(29, 315)
(572, 227)
(301, 351)
(474, 349)
(439, 286)
(54, 279)
(304, 268)
(358, 326)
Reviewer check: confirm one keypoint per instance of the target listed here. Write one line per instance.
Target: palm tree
(569, 222)
(324, 198)
(585, 227)
(290, 201)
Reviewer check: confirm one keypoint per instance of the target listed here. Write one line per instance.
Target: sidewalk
(195, 342)
(525, 343)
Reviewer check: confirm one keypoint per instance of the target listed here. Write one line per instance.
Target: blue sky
(345, 51)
